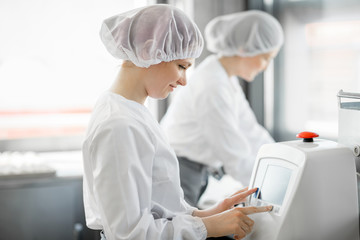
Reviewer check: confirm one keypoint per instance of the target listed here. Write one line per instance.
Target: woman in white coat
(210, 123)
(131, 174)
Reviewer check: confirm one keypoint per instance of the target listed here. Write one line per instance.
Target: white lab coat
(210, 122)
(131, 176)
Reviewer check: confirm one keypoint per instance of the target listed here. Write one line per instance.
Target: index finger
(240, 191)
(241, 195)
(251, 210)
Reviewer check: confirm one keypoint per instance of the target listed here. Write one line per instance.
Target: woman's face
(250, 67)
(162, 78)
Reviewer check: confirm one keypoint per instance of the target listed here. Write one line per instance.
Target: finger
(246, 228)
(251, 210)
(240, 191)
(249, 222)
(241, 196)
(240, 234)
(237, 237)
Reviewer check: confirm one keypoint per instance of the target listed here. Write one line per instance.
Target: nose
(182, 80)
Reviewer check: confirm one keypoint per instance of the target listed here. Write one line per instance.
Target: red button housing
(307, 136)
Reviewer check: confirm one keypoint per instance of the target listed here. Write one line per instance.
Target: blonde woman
(131, 174)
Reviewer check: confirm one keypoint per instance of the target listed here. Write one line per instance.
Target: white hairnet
(152, 34)
(245, 34)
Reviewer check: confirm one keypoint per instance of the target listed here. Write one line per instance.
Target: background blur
(53, 67)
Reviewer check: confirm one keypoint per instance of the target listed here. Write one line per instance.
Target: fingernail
(270, 208)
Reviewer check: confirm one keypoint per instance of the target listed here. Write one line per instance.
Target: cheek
(169, 75)
(153, 87)
(258, 66)
(253, 69)
(264, 65)
(174, 76)
(254, 66)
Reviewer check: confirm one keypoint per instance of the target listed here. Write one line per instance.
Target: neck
(231, 65)
(129, 84)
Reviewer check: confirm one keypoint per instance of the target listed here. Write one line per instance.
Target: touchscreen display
(275, 183)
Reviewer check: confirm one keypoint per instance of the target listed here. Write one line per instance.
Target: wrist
(206, 212)
(199, 213)
(208, 225)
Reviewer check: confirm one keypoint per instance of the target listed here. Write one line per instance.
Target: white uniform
(131, 176)
(210, 122)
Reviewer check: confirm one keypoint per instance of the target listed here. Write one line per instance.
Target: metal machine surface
(349, 123)
(312, 186)
(349, 127)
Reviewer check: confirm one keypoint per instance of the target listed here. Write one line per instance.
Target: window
(53, 66)
(321, 56)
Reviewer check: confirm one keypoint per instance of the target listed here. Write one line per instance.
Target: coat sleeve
(122, 154)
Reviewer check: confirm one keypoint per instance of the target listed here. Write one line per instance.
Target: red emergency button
(307, 136)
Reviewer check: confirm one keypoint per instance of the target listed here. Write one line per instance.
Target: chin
(160, 97)
(248, 79)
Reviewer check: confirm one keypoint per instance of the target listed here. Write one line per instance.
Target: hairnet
(152, 34)
(245, 34)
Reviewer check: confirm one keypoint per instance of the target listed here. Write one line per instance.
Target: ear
(146, 50)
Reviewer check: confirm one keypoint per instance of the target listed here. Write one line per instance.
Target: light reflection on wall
(321, 55)
(334, 54)
(53, 65)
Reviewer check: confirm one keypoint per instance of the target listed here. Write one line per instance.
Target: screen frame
(258, 180)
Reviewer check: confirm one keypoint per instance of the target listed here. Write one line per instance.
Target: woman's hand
(235, 199)
(226, 219)
(233, 221)
(226, 204)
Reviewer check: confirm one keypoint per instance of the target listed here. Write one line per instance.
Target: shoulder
(120, 126)
(209, 74)
(117, 113)
(125, 126)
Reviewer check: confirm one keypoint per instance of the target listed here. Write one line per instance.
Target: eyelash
(182, 67)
